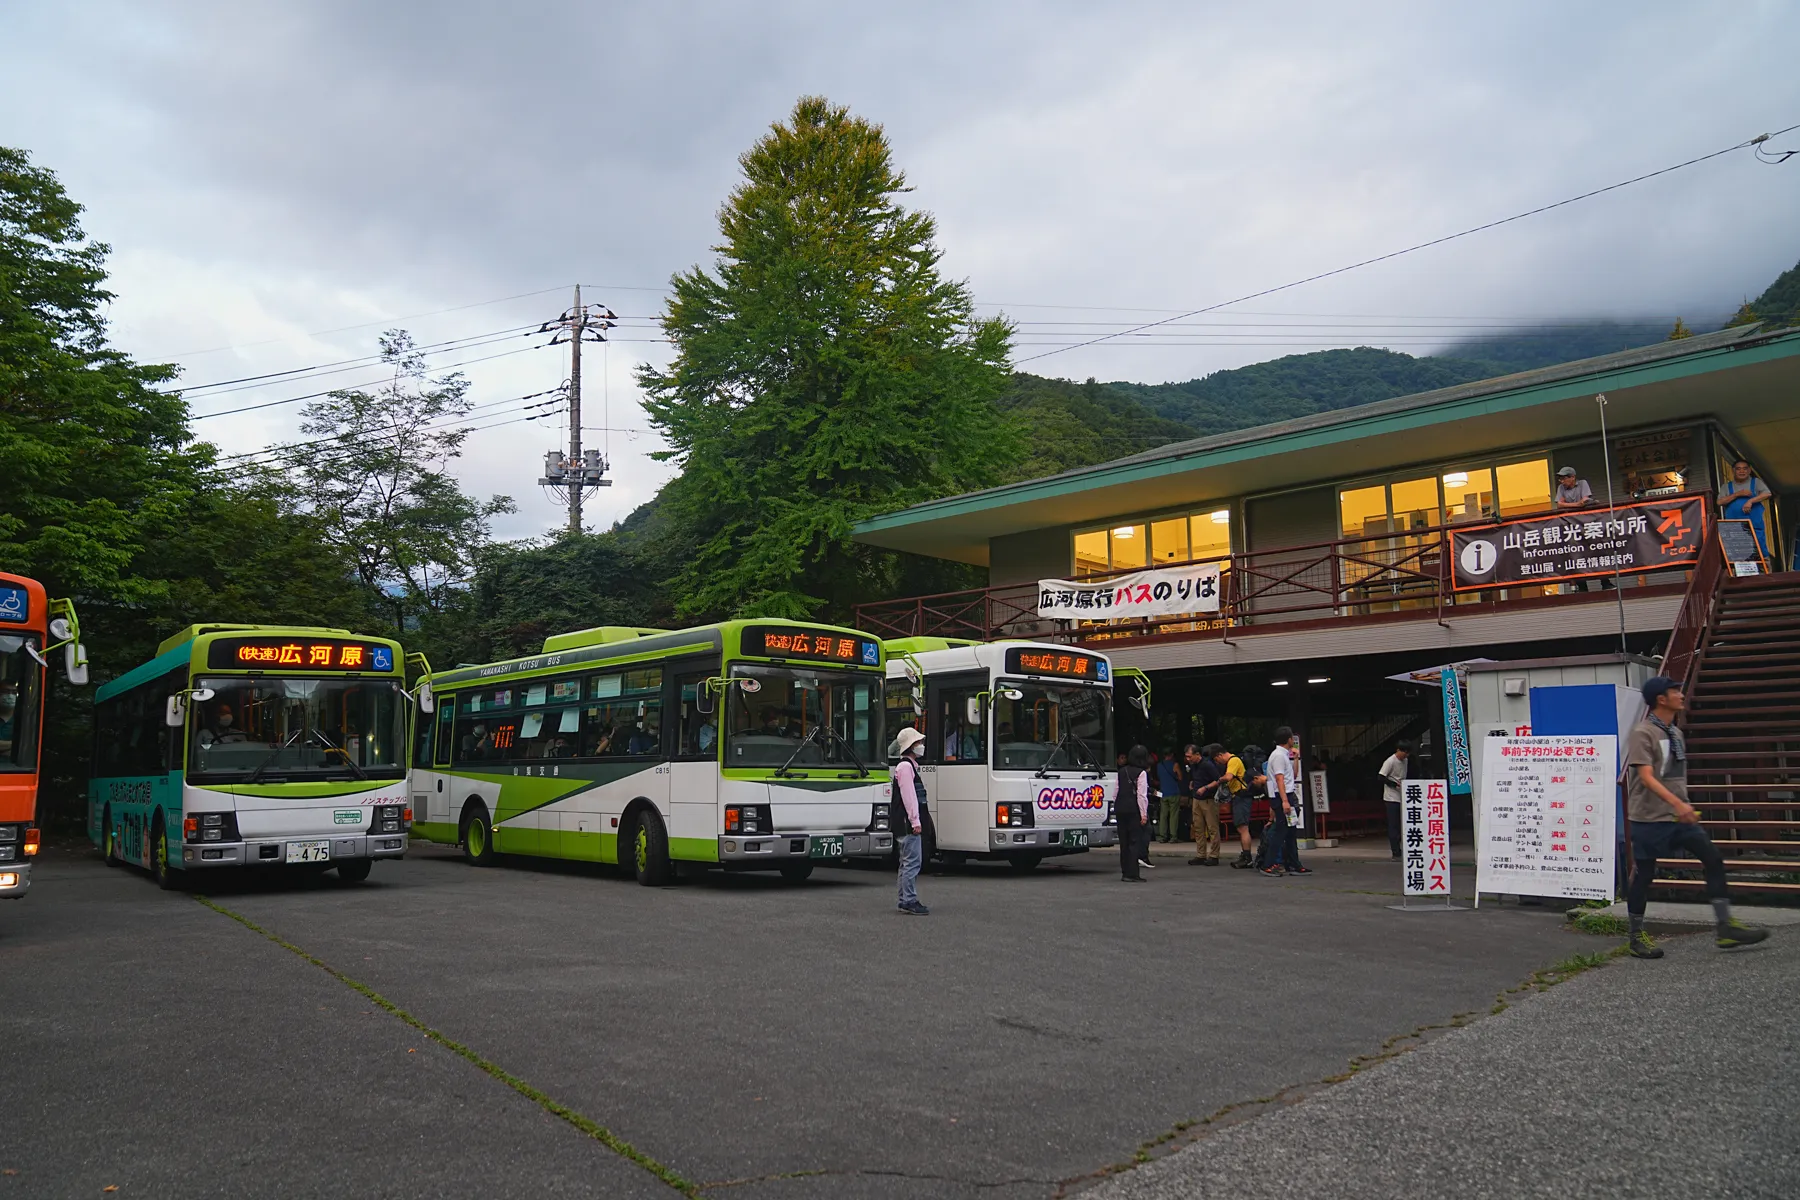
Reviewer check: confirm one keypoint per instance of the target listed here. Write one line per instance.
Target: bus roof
(23, 603)
(182, 649)
(610, 643)
(194, 633)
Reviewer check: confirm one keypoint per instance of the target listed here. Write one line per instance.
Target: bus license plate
(1075, 837)
(309, 852)
(826, 847)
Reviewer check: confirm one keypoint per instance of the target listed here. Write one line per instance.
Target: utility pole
(579, 471)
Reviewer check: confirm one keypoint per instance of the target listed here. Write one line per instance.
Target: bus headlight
(749, 818)
(209, 827)
(1013, 815)
(31, 841)
(386, 818)
(881, 821)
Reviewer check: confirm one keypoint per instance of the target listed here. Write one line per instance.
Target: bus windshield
(797, 717)
(19, 674)
(1052, 725)
(275, 730)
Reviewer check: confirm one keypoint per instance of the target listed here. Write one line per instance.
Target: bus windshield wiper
(844, 742)
(806, 741)
(1061, 742)
(273, 755)
(342, 753)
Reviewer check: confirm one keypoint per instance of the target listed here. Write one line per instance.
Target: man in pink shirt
(908, 817)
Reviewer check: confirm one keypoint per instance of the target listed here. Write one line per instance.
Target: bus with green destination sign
(1018, 757)
(746, 745)
(253, 746)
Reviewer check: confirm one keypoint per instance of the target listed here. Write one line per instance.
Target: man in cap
(908, 818)
(1572, 492)
(1663, 822)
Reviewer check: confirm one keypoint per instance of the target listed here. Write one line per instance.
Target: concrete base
(1666, 912)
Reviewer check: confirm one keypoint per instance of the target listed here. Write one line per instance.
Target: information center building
(1359, 547)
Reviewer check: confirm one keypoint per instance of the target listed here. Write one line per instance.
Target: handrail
(1402, 568)
(1696, 609)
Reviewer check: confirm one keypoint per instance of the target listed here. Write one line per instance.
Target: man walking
(1663, 822)
(1204, 773)
(910, 790)
(1281, 845)
(1393, 775)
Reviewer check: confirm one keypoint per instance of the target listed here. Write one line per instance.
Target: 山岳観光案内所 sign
(1161, 593)
(1646, 536)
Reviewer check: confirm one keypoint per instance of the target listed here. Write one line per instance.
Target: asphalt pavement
(556, 1028)
(1675, 1077)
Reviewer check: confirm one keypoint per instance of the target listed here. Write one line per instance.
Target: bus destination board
(821, 644)
(298, 654)
(1070, 664)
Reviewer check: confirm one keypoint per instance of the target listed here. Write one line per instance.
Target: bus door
(956, 749)
(694, 756)
(431, 754)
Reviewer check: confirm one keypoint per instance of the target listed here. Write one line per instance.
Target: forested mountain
(1067, 424)
(1550, 344)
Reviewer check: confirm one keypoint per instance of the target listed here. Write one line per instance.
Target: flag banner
(1425, 837)
(1161, 593)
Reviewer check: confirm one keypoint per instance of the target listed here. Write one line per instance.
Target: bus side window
(446, 731)
(963, 741)
(697, 735)
(423, 726)
(900, 714)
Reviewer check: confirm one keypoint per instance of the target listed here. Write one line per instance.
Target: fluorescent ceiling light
(1125, 531)
(1456, 478)
(1222, 517)
(1320, 679)
(1278, 683)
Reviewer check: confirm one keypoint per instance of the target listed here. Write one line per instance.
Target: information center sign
(1547, 816)
(1425, 836)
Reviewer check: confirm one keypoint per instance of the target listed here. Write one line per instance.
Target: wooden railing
(1696, 610)
(1349, 578)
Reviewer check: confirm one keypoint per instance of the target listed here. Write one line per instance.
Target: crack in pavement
(587, 1125)
(847, 1172)
(1061, 1035)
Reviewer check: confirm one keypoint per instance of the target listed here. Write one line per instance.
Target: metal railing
(1377, 577)
(1696, 610)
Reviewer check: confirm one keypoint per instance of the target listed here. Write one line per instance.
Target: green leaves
(824, 372)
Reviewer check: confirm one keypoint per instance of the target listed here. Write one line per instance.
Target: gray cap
(1566, 471)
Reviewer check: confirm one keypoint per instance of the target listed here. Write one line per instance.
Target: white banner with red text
(1169, 592)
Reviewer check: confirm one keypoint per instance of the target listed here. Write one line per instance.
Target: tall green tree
(374, 472)
(824, 371)
(94, 452)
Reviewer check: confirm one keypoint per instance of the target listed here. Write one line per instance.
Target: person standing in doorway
(1745, 498)
(910, 790)
(1663, 822)
(1281, 850)
(1204, 774)
(1169, 786)
(1393, 775)
(1133, 812)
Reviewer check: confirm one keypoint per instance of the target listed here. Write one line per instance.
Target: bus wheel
(109, 840)
(478, 838)
(650, 849)
(159, 857)
(354, 870)
(796, 872)
(1024, 862)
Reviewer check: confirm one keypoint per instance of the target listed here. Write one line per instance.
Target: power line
(364, 359)
(1756, 141)
(286, 447)
(351, 387)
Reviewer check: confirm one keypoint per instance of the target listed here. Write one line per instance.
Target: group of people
(1210, 780)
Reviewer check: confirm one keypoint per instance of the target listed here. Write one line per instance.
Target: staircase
(1743, 735)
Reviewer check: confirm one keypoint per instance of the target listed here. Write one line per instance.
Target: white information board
(1425, 836)
(1547, 816)
(1320, 797)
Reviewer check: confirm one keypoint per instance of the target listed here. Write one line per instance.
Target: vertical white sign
(1321, 799)
(1425, 836)
(1547, 807)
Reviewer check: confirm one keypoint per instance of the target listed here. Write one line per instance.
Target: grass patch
(586, 1125)
(1597, 921)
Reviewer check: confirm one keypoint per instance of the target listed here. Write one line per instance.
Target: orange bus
(31, 626)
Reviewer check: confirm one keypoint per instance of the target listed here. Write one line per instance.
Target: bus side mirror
(59, 629)
(75, 663)
(972, 710)
(176, 713)
(427, 702)
(203, 694)
(1012, 693)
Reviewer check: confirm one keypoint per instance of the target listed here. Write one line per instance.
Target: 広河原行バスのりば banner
(1164, 593)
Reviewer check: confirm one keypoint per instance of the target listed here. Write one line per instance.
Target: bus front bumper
(786, 845)
(15, 880)
(273, 852)
(1038, 841)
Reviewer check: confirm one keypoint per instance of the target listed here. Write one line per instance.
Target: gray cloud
(264, 170)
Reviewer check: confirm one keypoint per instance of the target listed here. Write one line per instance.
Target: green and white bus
(745, 745)
(1018, 759)
(253, 746)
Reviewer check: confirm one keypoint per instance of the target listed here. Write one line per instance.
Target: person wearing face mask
(223, 728)
(9, 710)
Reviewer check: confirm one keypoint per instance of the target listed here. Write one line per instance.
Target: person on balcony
(1572, 492)
(1662, 822)
(1745, 498)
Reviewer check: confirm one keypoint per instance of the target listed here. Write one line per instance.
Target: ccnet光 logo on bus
(1081, 798)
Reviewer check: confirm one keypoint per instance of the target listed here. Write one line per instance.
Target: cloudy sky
(281, 181)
